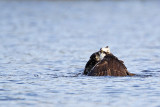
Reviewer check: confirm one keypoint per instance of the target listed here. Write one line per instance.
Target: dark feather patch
(109, 66)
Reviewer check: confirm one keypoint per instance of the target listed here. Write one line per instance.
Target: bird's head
(103, 52)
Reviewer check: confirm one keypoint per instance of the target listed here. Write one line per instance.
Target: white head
(103, 52)
(106, 49)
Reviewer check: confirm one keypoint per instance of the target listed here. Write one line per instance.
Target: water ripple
(45, 46)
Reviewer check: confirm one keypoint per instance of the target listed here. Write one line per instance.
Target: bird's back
(109, 66)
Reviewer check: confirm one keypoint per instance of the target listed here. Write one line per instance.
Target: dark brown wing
(100, 69)
(91, 63)
(109, 66)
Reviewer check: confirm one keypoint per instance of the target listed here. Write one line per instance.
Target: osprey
(104, 63)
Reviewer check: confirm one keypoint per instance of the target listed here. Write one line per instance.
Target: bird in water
(104, 63)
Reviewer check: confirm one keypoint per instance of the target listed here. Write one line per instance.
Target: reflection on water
(45, 45)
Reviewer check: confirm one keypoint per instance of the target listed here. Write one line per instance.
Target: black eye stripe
(105, 52)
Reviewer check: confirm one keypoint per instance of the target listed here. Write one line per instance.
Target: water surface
(45, 44)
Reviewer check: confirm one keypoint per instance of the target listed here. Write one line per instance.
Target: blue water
(44, 45)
